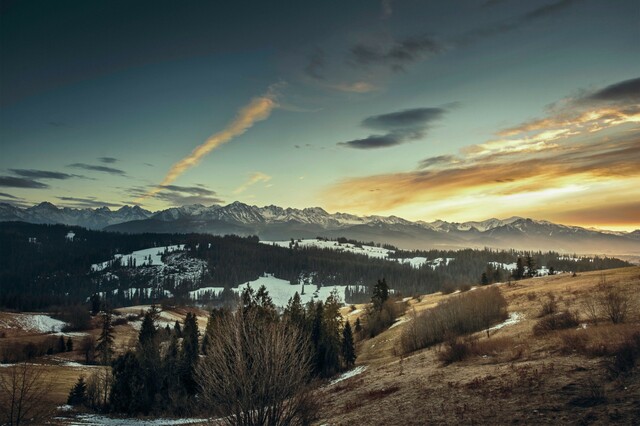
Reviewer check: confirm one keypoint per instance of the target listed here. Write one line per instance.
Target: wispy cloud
(21, 182)
(508, 25)
(401, 127)
(355, 87)
(94, 168)
(5, 195)
(440, 160)
(253, 179)
(257, 110)
(177, 196)
(89, 202)
(316, 64)
(108, 160)
(395, 54)
(42, 174)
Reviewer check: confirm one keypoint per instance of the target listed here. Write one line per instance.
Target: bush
(379, 320)
(560, 321)
(548, 306)
(455, 350)
(626, 356)
(465, 313)
(608, 301)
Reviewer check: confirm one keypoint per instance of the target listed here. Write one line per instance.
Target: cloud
(387, 9)
(42, 174)
(178, 196)
(5, 195)
(90, 202)
(103, 169)
(497, 175)
(401, 126)
(108, 160)
(585, 150)
(257, 110)
(356, 87)
(253, 179)
(513, 24)
(408, 118)
(628, 90)
(395, 55)
(376, 141)
(19, 182)
(316, 64)
(439, 161)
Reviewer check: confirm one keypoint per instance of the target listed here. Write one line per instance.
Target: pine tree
(518, 273)
(358, 326)
(348, 347)
(189, 354)
(531, 267)
(61, 345)
(380, 294)
(294, 311)
(105, 340)
(484, 280)
(78, 393)
(177, 329)
(148, 357)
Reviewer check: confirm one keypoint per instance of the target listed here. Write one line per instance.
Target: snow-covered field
(150, 257)
(280, 290)
(99, 420)
(36, 323)
(371, 251)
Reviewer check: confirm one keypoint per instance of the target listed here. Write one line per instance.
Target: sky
(458, 110)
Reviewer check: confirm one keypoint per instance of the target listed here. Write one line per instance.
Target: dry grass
(510, 377)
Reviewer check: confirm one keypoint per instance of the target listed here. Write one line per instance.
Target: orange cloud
(257, 110)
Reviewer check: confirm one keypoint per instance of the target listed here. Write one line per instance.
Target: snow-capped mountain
(89, 218)
(278, 223)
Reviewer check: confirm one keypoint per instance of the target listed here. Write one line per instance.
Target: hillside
(564, 377)
(55, 265)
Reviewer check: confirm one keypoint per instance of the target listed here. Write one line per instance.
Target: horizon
(114, 209)
(425, 111)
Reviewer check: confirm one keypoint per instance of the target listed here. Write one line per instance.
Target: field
(511, 376)
(517, 378)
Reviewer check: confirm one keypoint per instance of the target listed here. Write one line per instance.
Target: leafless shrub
(455, 350)
(608, 301)
(559, 321)
(23, 390)
(257, 372)
(626, 356)
(592, 393)
(548, 306)
(98, 388)
(462, 314)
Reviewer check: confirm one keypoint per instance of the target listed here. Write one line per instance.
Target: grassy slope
(522, 379)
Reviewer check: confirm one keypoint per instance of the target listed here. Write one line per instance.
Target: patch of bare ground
(580, 375)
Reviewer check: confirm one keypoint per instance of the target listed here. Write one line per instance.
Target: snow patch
(38, 323)
(146, 257)
(349, 374)
(98, 420)
(514, 318)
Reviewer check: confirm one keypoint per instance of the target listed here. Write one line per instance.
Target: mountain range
(277, 223)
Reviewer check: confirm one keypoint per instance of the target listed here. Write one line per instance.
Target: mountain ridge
(274, 222)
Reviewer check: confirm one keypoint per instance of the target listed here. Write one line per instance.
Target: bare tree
(23, 390)
(257, 372)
